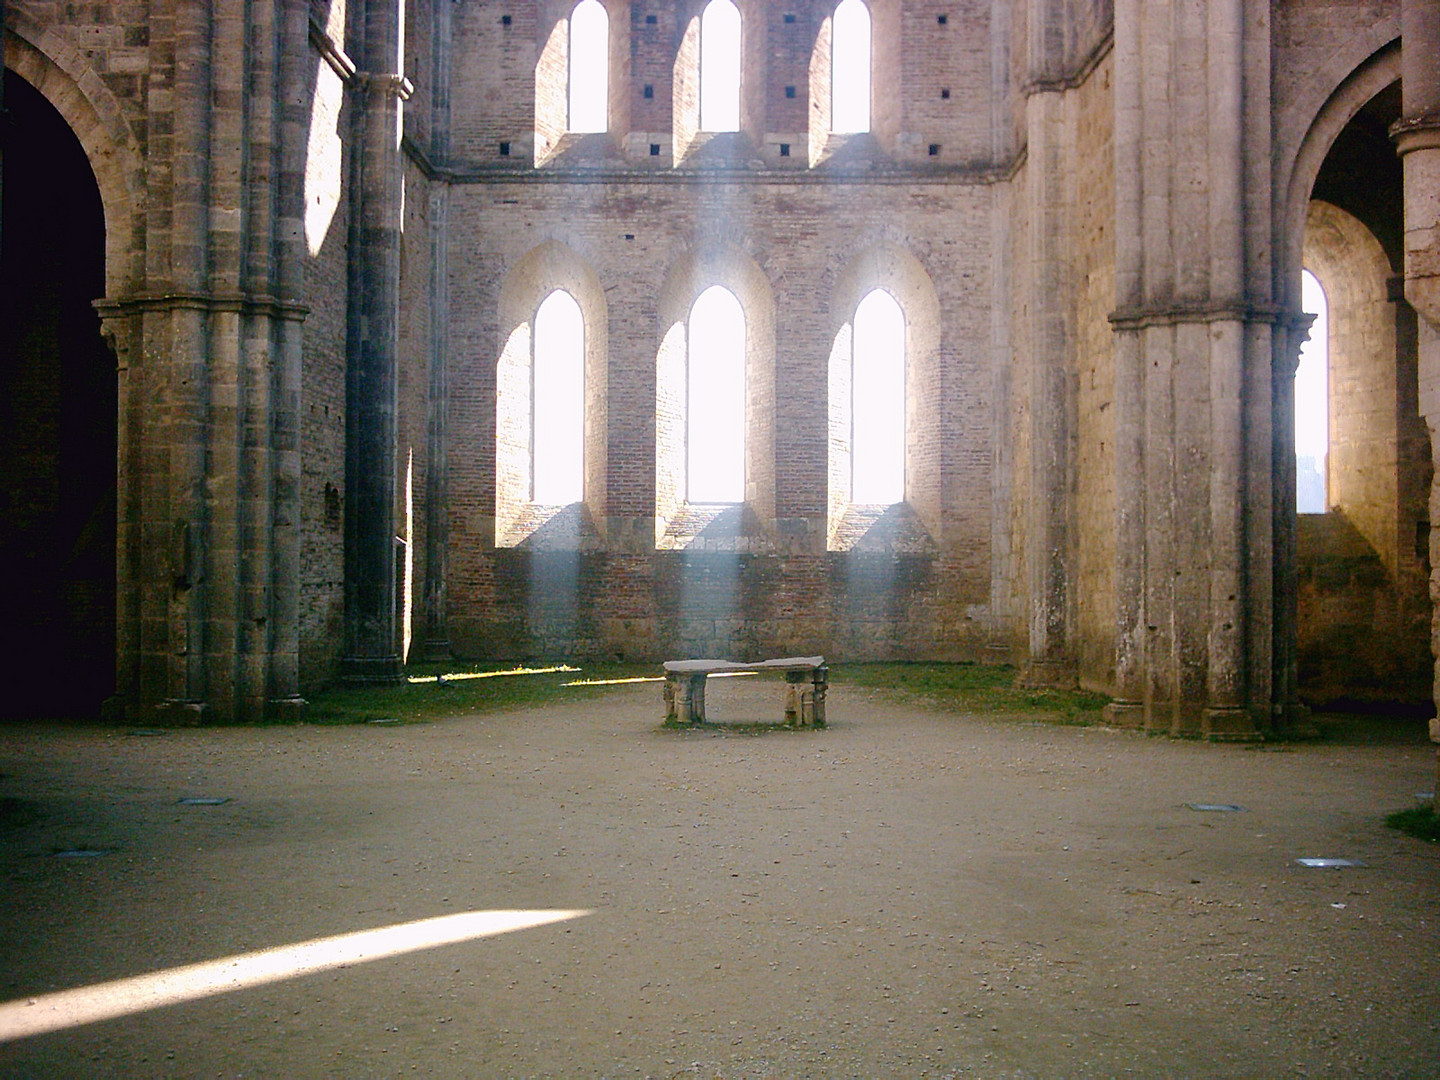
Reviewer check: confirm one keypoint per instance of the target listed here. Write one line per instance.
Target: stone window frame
(519, 520)
(892, 268)
(885, 56)
(553, 138)
(677, 520)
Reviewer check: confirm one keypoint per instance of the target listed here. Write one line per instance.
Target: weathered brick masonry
(328, 226)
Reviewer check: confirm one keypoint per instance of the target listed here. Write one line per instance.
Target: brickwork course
(328, 228)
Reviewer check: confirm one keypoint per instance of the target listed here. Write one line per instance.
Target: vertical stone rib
(1127, 708)
(1047, 557)
(1225, 646)
(437, 636)
(186, 383)
(224, 433)
(255, 512)
(284, 631)
(371, 392)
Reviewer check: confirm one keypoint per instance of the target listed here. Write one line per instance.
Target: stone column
(371, 649)
(1127, 707)
(1417, 137)
(1047, 535)
(436, 641)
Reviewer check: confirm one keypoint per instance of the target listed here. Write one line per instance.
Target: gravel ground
(907, 893)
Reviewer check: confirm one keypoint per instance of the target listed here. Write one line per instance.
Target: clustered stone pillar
(1417, 137)
(1193, 392)
(372, 652)
(207, 344)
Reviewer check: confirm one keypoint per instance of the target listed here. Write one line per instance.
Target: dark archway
(1363, 565)
(58, 410)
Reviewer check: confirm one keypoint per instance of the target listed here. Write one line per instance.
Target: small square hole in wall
(942, 19)
(784, 149)
(934, 149)
(945, 95)
(648, 91)
(789, 18)
(654, 149)
(651, 20)
(504, 149)
(504, 20)
(789, 91)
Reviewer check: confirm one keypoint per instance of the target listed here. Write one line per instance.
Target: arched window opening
(589, 67)
(1312, 407)
(878, 402)
(850, 68)
(557, 436)
(715, 406)
(720, 67)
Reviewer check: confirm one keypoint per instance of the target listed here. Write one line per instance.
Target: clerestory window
(1312, 408)
(715, 406)
(878, 400)
(720, 67)
(557, 428)
(589, 67)
(850, 68)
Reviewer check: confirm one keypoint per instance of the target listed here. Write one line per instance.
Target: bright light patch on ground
(558, 438)
(1312, 408)
(615, 682)
(850, 68)
(124, 997)
(720, 67)
(459, 675)
(715, 443)
(589, 66)
(878, 408)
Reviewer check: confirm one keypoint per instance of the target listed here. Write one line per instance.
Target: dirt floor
(904, 894)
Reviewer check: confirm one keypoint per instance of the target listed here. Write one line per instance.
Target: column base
(371, 669)
(288, 710)
(1230, 724)
(176, 713)
(436, 650)
(1049, 675)
(1125, 714)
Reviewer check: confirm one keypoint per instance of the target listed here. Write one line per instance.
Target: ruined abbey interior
(339, 335)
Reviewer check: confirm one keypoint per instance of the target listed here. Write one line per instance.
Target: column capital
(1412, 133)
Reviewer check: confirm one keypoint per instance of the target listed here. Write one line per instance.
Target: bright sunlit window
(878, 406)
(715, 409)
(1312, 407)
(558, 431)
(589, 64)
(720, 67)
(850, 68)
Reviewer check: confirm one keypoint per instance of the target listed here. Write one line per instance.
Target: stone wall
(1093, 275)
(761, 580)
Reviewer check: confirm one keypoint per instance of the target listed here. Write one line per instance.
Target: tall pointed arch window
(850, 68)
(1312, 405)
(589, 67)
(715, 407)
(720, 67)
(878, 402)
(557, 430)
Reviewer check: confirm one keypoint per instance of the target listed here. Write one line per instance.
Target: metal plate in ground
(1330, 864)
(204, 800)
(1216, 807)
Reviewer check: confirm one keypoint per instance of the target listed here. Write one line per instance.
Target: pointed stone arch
(59, 70)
